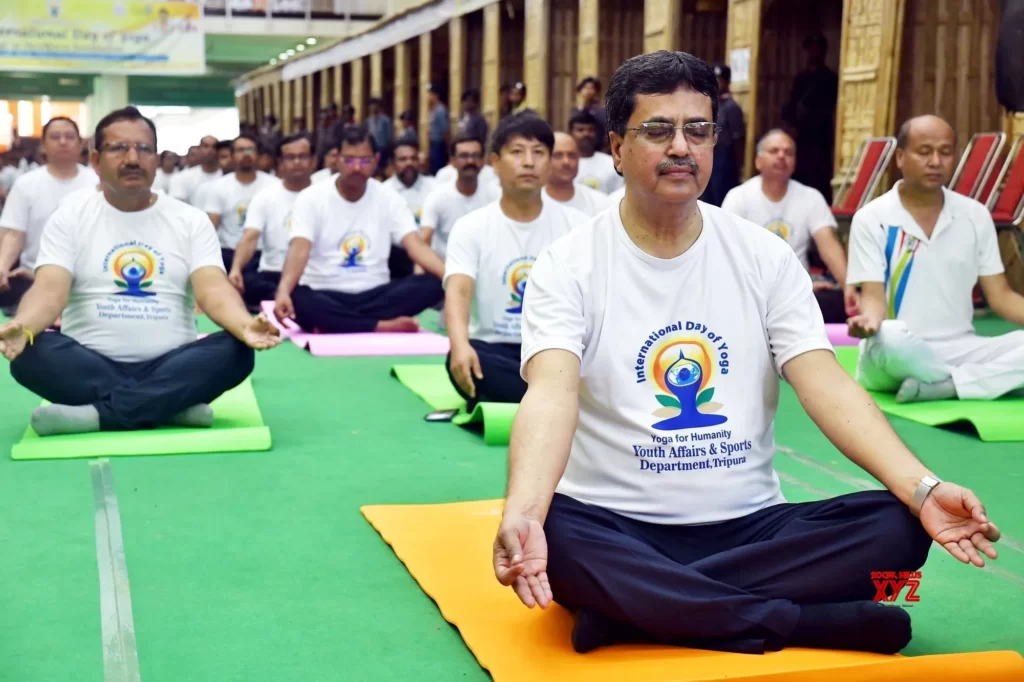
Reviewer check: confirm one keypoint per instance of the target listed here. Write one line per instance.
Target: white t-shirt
(801, 213)
(184, 185)
(162, 180)
(598, 172)
(928, 282)
(229, 198)
(587, 201)
(680, 364)
(269, 213)
(487, 177)
(445, 205)
(131, 297)
(33, 198)
(498, 253)
(414, 196)
(351, 241)
(322, 175)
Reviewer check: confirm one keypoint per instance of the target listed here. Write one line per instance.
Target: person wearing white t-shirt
(33, 198)
(414, 187)
(184, 186)
(167, 170)
(267, 220)
(562, 186)
(642, 494)
(486, 177)
(330, 168)
(125, 266)
(451, 200)
(596, 169)
(335, 278)
(490, 253)
(798, 215)
(917, 253)
(228, 198)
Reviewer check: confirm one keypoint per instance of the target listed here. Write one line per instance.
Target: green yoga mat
(995, 420)
(431, 383)
(238, 427)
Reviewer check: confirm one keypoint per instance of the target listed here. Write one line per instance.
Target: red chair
(1006, 200)
(977, 164)
(868, 166)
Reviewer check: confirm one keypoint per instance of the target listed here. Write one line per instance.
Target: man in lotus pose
(125, 266)
(341, 238)
(917, 253)
(563, 188)
(642, 494)
(490, 253)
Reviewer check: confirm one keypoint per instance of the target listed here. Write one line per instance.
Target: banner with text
(157, 37)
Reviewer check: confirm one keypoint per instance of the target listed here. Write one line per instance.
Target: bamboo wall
(702, 29)
(620, 35)
(563, 50)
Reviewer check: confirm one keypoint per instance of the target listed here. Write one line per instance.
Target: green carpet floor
(259, 568)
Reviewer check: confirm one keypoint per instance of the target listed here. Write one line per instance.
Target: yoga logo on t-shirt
(515, 276)
(780, 228)
(240, 211)
(682, 360)
(354, 246)
(592, 183)
(133, 265)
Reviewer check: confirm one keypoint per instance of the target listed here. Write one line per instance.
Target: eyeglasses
(245, 150)
(364, 161)
(698, 133)
(122, 149)
(295, 157)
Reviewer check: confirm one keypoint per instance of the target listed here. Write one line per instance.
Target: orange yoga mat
(447, 549)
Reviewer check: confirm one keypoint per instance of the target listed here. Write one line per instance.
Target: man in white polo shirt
(562, 186)
(917, 252)
(267, 221)
(490, 253)
(33, 198)
(797, 214)
(414, 187)
(335, 278)
(125, 266)
(642, 494)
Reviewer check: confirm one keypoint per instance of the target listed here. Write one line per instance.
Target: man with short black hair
(335, 278)
(414, 187)
(731, 148)
(589, 92)
(32, 199)
(437, 129)
(562, 186)
(642, 494)
(125, 266)
(473, 123)
(596, 169)
(184, 186)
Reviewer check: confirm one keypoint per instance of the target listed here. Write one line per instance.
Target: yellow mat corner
(447, 549)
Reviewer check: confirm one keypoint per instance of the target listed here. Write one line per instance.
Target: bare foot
(399, 324)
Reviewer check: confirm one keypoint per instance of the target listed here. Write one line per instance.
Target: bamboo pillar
(402, 83)
(536, 67)
(492, 54)
(268, 100)
(377, 74)
(339, 96)
(661, 25)
(286, 106)
(242, 106)
(587, 61)
(309, 110)
(456, 70)
(742, 46)
(424, 82)
(325, 88)
(357, 88)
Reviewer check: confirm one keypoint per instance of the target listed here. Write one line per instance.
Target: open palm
(260, 334)
(955, 518)
(521, 560)
(12, 340)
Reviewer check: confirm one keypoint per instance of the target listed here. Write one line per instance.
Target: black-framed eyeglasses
(698, 133)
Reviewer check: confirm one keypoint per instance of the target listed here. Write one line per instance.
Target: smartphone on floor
(441, 416)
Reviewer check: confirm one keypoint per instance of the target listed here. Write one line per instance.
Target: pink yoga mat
(339, 345)
(839, 335)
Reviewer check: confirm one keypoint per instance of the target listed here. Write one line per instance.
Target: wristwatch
(924, 488)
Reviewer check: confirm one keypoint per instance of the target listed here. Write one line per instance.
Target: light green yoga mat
(431, 383)
(995, 420)
(238, 427)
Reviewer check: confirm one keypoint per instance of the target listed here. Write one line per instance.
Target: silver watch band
(924, 488)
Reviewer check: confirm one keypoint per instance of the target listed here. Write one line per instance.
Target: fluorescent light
(300, 48)
(273, 61)
(311, 41)
(290, 53)
(282, 56)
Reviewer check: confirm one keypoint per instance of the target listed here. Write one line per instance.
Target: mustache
(130, 170)
(684, 162)
(471, 166)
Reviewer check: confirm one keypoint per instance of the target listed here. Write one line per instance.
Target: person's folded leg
(228, 256)
(260, 286)
(406, 297)
(833, 308)
(64, 372)
(331, 312)
(985, 368)
(11, 296)
(195, 374)
(499, 363)
(895, 354)
(399, 263)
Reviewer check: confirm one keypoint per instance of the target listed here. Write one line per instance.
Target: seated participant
(32, 199)
(341, 237)
(330, 167)
(797, 214)
(125, 263)
(642, 494)
(596, 169)
(490, 253)
(450, 201)
(227, 199)
(184, 186)
(917, 252)
(562, 186)
(414, 187)
(267, 220)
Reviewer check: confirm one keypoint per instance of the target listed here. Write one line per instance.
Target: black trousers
(11, 297)
(732, 586)
(499, 363)
(133, 395)
(259, 286)
(334, 312)
(229, 258)
(399, 263)
(833, 309)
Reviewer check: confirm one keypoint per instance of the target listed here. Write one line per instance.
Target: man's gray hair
(774, 131)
